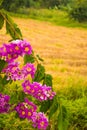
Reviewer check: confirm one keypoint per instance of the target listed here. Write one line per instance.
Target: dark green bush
(79, 10)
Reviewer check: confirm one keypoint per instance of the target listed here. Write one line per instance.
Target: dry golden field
(63, 49)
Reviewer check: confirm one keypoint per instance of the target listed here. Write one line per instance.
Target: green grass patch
(57, 17)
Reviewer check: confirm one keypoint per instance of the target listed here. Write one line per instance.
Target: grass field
(63, 49)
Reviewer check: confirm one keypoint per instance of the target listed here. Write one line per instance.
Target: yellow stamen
(9, 56)
(23, 112)
(28, 87)
(32, 91)
(19, 72)
(4, 50)
(42, 123)
(29, 113)
(9, 74)
(26, 49)
(17, 48)
(28, 69)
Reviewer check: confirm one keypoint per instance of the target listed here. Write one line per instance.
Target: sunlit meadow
(63, 49)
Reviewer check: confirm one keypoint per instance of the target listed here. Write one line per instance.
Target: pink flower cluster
(27, 110)
(4, 105)
(40, 92)
(13, 71)
(16, 48)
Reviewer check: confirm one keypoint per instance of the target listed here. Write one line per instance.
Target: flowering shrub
(26, 89)
(30, 77)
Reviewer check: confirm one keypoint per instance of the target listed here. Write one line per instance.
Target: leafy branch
(1, 2)
(11, 27)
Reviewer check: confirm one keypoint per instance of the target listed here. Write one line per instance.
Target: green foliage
(1, 21)
(79, 10)
(48, 80)
(4, 81)
(40, 73)
(62, 119)
(45, 106)
(13, 5)
(67, 113)
(1, 2)
(77, 113)
(12, 122)
(54, 107)
(16, 93)
(57, 114)
(29, 58)
(2, 64)
(11, 27)
(75, 101)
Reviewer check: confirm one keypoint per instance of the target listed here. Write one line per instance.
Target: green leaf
(13, 30)
(62, 119)
(9, 30)
(45, 106)
(54, 107)
(1, 21)
(1, 2)
(39, 58)
(5, 81)
(40, 73)
(21, 96)
(1, 86)
(29, 59)
(11, 27)
(2, 64)
(17, 29)
(48, 80)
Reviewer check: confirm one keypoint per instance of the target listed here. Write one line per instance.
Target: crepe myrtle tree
(30, 86)
(26, 88)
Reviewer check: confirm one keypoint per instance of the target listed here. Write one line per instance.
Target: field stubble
(64, 50)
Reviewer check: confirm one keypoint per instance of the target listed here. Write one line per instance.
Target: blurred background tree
(77, 9)
(14, 4)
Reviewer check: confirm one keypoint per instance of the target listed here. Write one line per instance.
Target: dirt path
(63, 49)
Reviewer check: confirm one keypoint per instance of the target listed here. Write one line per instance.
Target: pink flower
(4, 105)
(16, 48)
(40, 121)
(29, 69)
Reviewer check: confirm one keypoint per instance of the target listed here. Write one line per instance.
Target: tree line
(77, 9)
(14, 4)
